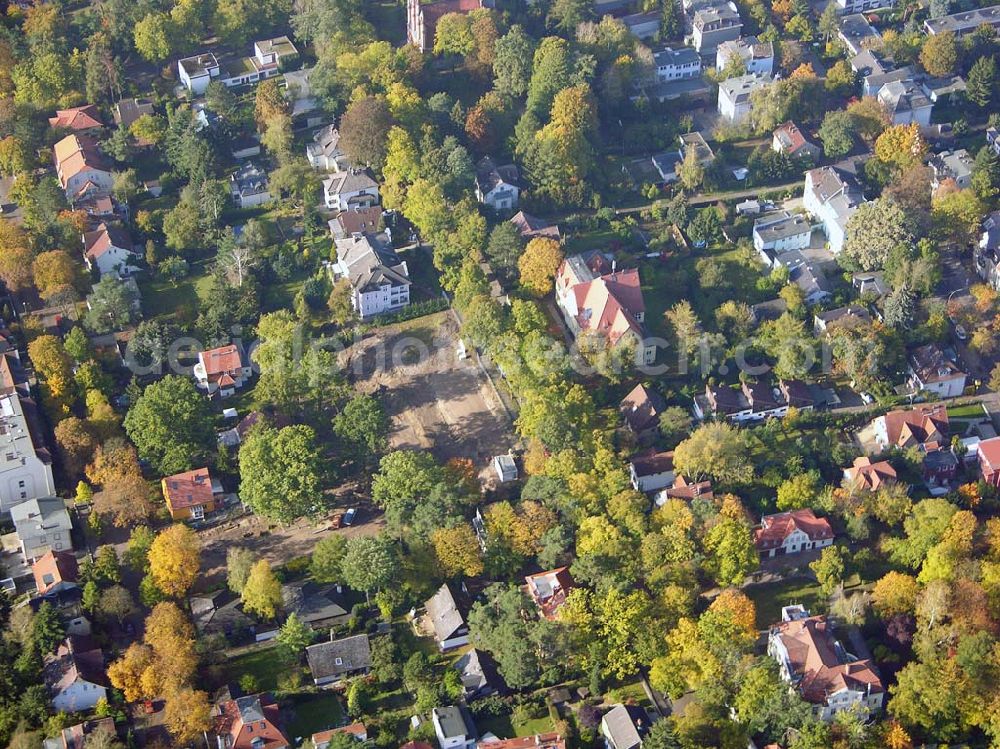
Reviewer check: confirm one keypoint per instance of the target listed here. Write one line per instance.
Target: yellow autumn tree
(188, 715)
(901, 146)
(171, 636)
(174, 560)
(457, 551)
(262, 591)
(126, 673)
(55, 369)
(740, 611)
(895, 593)
(538, 265)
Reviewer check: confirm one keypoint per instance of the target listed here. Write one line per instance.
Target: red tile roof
(549, 589)
(104, 238)
(355, 729)
(686, 490)
(540, 740)
(791, 138)
(252, 722)
(776, 528)
(53, 568)
(641, 408)
(188, 489)
(989, 452)
(609, 304)
(922, 424)
(221, 360)
(870, 475)
(77, 118)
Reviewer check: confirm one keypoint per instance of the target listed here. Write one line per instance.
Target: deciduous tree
(457, 551)
(174, 559)
(262, 592)
(281, 472)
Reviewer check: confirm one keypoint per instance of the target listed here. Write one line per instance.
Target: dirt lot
(436, 402)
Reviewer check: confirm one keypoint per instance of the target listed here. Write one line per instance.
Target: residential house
(25, 463)
(127, 111)
(222, 370)
(454, 727)
(221, 613)
(531, 227)
(805, 274)
(879, 77)
(251, 722)
(780, 231)
(857, 34)
(380, 280)
(938, 467)
(109, 248)
(332, 662)
(82, 171)
(42, 525)
(446, 620)
(302, 99)
(55, 571)
(357, 731)
(535, 741)
(479, 675)
(904, 429)
(497, 186)
(422, 18)
(642, 25)
(734, 96)
(966, 22)
(505, 468)
(244, 146)
(820, 668)
(714, 24)
(789, 139)
(676, 64)
(75, 676)
(791, 533)
(14, 378)
(641, 410)
(797, 394)
(595, 297)
(754, 401)
(357, 221)
(989, 460)
(350, 189)
(192, 495)
(929, 369)
(235, 436)
(85, 119)
(864, 474)
(76, 736)
(831, 196)
(951, 165)
(870, 285)
(550, 589)
(862, 6)
(624, 726)
(987, 252)
(197, 71)
(850, 316)
(906, 102)
(269, 56)
(319, 606)
(668, 164)
(248, 186)
(756, 56)
(993, 139)
(684, 490)
(650, 471)
(325, 153)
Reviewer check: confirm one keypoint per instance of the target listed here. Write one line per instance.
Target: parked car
(960, 333)
(349, 516)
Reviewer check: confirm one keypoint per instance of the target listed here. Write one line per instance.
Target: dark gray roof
(479, 671)
(313, 603)
(370, 261)
(444, 614)
(678, 56)
(338, 657)
(781, 225)
(961, 23)
(250, 708)
(489, 175)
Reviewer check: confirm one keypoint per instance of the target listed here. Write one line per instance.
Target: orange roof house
(791, 533)
(536, 741)
(252, 722)
(221, 370)
(77, 119)
(549, 590)
(867, 475)
(55, 571)
(903, 429)
(989, 460)
(191, 495)
(321, 740)
(822, 670)
(81, 169)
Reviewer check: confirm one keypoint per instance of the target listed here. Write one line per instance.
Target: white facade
(343, 191)
(780, 233)
(651, 482)
(113, 260)
(195, 73)
(503, 197)
(832, 201)
(447, 735)
(23, 474)
(677, 64)
(796, 542)
(947, 387)
(386, 298)
(757, 57)
(734, 96)
(847, 7)
(80, 696)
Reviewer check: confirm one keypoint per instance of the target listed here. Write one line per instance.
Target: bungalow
(652, 470)
(595, 297)
(849, 316)
(191, 495)
(55, 571)
(791, 533)
(531, 227)
(42, 525)
(537, 741)
(856, 33)
(332, 662)
(870, 285)
(642, 25)
(357, 731)
(820, 668)
(757, 56)
(446, 620)
(788, 139)
(479, 675)
(379, 279)
(269, 55)
(831, 196)
(868, 476)
(930, 370)
(85, 119)
(989, 461)
(904, 429)
(222, 370)
(624, 726)
(75, 676)
(248, 186)
(549, 590)
(353, 188)
(641, 410)
(109, 249)
(251, 722)
(319, 606)
(454, 727)
(82, 171)
(497, 186)
(669, 163)
(778, 232)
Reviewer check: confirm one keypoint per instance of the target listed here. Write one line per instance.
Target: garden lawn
(313, 712)
(771, 597)
(967, 411)
(504, 727)
(163, 297)
(265, 664)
